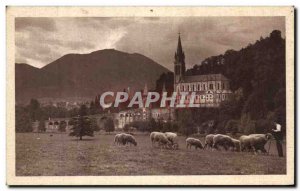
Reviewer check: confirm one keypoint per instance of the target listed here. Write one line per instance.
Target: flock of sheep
(169, 140)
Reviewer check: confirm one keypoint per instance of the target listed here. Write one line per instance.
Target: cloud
(42, 23)
(40, 41)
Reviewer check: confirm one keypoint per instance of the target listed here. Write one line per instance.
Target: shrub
(232, 126)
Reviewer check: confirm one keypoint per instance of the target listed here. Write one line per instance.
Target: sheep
(193, 142)
(129, 139)
(119, 139)
(161, 139)
(222, 140)
(152, 136)
(237, 145)
(258, 141)
(209, 141)
(172, 137)
(254, 142)
(124, 139)
(245, 143)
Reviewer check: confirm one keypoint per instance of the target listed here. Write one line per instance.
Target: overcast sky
(39, 41)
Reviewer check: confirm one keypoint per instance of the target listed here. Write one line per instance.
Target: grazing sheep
(209, 141)
(129, 139)
(222, 140)
(254, 142)
(119, 139)
(245, 143)
(161, 139)
(258, 141)
(237, 145)
(152, 135)
(193, 142)
(172, 137)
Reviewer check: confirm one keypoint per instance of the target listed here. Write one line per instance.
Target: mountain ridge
(85, 75)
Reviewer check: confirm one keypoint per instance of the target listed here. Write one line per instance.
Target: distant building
(163, 114)
(211, 89)
(128, 116)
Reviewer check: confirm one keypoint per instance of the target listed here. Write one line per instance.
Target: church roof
(179, 46)
(201, 78)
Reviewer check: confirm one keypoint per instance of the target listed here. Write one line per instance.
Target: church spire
(179, 63)
(179, 46)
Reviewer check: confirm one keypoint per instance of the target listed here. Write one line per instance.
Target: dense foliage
(82, 125)
(109, 125)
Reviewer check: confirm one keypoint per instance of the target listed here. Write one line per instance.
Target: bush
(109, 125)
(247, 124)
(264, 126)
(23, 122)
(221, 127)
(232, 126)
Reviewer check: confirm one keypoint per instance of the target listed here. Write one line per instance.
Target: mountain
(82, 76)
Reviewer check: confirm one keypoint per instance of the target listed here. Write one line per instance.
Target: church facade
(210, 89)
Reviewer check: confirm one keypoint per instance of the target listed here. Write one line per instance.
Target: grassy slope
(64, 155)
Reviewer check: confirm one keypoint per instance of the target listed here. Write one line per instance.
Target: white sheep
(152, 136)
(254, 142)
(118, 139)
(258, 141)
(161, 139)
(173, 138)
(193, 142)
(222, 140)
(129, 139)
(237, 145)
(209, 141)
(245, 143)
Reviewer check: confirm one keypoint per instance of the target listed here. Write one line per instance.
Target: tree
(92, 109)
(109, 125)
(232, 126)
(42, 127)
(82, 125)
(62, 126)
(186, 122)
(126, 127)
(152, 125)
(94, 124)
(34, 110)
(23, 122)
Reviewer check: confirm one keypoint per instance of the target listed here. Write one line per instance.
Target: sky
(42, 40)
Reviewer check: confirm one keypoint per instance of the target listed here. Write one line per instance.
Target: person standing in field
(277, 133)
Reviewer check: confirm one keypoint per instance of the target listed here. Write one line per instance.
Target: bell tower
(179, 63)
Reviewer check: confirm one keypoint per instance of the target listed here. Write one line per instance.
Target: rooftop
(207, 77)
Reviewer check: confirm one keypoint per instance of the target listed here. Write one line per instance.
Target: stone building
(210, 89)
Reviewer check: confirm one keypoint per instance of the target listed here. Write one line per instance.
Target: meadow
(62, 155)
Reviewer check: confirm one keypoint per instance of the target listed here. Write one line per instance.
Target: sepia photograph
(150, 96)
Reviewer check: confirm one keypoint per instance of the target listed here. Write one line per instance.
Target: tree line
(35, 112)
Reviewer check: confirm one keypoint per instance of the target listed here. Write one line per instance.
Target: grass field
(40, 154)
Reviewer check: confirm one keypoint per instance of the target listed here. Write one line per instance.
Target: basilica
(210, 89)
